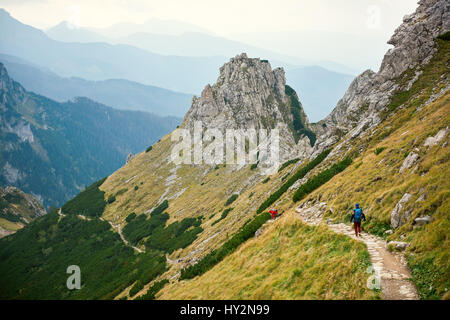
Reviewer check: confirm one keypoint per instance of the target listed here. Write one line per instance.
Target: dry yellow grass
(290, 260)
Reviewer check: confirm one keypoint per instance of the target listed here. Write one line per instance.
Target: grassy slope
(290, 260)
(374, 181)
(206, 189)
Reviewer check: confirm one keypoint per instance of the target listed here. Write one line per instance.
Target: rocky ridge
(369, 94)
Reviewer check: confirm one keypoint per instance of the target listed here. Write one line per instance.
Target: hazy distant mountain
(319, 89)
(53, 149)
(362, 50)
(200, 44)
(120, 94)
(153, 25)
(101, 61)
(67, 32)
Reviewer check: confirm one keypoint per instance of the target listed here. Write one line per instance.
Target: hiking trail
(118, 228)
(391, 268)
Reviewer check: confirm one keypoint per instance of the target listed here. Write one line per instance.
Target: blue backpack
(358, 214)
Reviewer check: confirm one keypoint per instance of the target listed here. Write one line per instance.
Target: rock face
(432, 141)
(250, 95)
(409, 161)
(370, 92)
(398, 216)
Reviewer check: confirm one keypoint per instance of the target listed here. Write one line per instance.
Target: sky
(242, 20)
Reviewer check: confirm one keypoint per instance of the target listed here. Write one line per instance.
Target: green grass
(320, 179)
(299, 174)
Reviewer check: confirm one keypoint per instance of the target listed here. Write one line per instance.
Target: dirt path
(390, 268)
(118, 228)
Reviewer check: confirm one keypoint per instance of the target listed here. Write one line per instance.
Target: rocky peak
(248, 94)
(5, 80)
(370, 92)
(413, 40)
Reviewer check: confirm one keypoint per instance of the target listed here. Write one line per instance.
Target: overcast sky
(236, 19)
(221, 17)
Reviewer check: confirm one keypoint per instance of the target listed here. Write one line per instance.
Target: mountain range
(183, 63)
(52, 150)
(117, 93)
(157, 229)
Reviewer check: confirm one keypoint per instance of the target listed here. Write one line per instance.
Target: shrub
(89, 202)
(223, 216)
(254, 166)
(298, 125)
(111, 199)
(148, 149)
(246, 232)
(298, 175)
(231, 199)
(138, 286)
(139, 227)
(445, 36)
(266, 180)
(176, 235)
(287, 163)
(320, 179)
(121, 191)
(154, 289)
(379, 150)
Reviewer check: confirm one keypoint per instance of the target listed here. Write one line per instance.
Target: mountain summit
(248, 94)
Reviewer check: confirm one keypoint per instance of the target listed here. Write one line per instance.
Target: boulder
(432, 141)
(397, 216)
(397, 245)
(410, 160)
(422, 220)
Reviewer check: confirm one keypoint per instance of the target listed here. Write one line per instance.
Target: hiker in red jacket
(273, 213)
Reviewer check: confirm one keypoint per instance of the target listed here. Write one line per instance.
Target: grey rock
(432, 141)
(422, 220)
(248, 94)
(410, 160)
(398, 245)
(389, 232)
(398, 218)
(370, 92)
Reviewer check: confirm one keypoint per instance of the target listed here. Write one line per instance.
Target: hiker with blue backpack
(357, 217)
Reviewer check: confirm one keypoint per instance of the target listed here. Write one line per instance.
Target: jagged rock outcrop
(370, 92)
(250, 95)
(399, 216)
